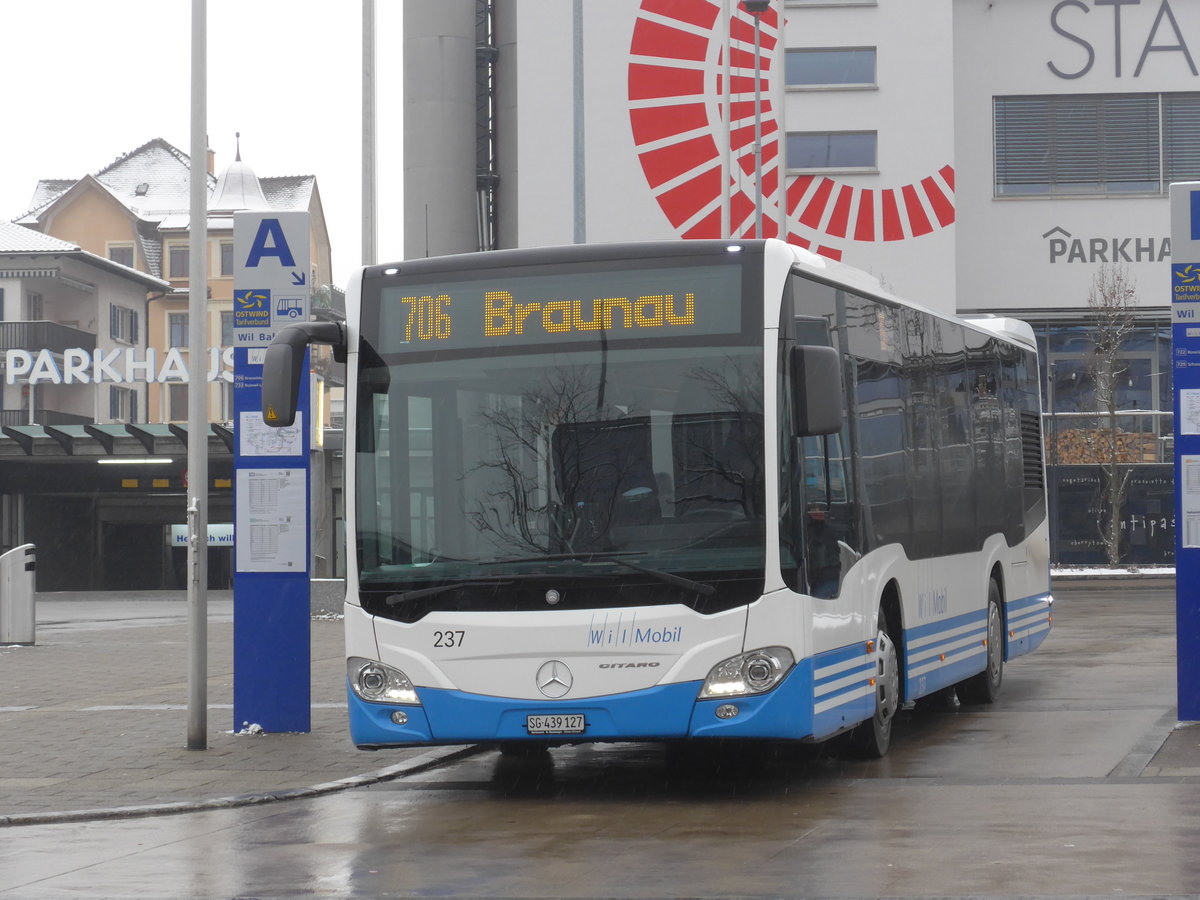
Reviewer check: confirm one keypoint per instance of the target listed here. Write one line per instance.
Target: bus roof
(819, 267)
(1008, 329)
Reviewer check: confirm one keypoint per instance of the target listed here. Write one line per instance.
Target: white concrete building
(60, 307)
(975, 155)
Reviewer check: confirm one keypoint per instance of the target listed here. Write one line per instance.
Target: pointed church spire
(237, 187)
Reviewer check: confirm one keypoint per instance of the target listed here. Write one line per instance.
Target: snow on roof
(47, 189)
(153, 181)
(151, 247)
(288, 191)
(19, 239)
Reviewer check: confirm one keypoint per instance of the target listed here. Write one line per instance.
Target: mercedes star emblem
(554, 679)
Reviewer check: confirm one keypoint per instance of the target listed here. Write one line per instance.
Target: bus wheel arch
(984, 687)
(891, 612)
(872, 738)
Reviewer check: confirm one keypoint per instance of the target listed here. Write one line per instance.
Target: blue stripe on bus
(831, 658)
(1028, 620)
(658, 713)
(856, 676)
(838, 708)
(922, 631)
(662, 711)
(948, 651)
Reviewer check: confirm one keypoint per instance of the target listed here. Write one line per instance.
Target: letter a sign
(271, 274)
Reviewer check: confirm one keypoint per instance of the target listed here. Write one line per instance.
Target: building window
(227, 329)
(122, 324)
(177, 330)
(1181, 137)
(177, 401)
(831, 150)
(226, 258)
(121, 253)
(34, 311)
(831, 67)
(1095, 144)
(178, 261)
(122, 404)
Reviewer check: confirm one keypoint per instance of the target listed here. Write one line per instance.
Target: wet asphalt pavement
(1079, 782)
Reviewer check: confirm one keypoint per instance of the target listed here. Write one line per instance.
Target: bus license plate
(565, 723)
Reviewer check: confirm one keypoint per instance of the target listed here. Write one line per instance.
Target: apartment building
(95, 335)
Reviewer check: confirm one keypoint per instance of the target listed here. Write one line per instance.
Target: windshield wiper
(396, 599)
(706, 590)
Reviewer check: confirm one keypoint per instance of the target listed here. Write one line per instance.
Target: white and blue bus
(680, 490)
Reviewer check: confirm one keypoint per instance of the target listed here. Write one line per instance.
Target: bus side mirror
(283, 363)
(816, 390)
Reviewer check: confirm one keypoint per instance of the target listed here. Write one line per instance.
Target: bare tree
(1111, 300)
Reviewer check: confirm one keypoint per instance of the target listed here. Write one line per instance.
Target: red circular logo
(683, 85)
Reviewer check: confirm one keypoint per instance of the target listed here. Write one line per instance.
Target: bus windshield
(486, 480)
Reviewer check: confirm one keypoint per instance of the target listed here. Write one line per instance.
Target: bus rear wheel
(872, 738)
(985, 687)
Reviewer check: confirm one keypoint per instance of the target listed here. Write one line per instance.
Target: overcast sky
(89, 81)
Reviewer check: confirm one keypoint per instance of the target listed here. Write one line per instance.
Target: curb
(413, 766)
(1147, 578)
(1123, 576)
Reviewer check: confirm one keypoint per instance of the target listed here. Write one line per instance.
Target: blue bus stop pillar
(271, 589)
(1185, 371)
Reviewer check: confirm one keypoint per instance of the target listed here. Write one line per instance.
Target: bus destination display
(502, 309)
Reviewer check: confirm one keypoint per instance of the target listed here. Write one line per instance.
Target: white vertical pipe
(197, 465)
(370, 224)
(778, 101)
(727, 137)
(758, 173)
(579, 124)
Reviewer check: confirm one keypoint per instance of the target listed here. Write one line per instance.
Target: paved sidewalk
(93, 717)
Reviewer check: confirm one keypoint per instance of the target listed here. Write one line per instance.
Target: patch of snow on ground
(1101, 571)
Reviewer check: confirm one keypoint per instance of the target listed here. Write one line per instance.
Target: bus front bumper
(665, 712)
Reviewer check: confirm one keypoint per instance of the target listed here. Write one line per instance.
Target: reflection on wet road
(1034, 797)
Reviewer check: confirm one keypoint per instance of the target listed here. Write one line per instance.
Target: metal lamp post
(756, 8)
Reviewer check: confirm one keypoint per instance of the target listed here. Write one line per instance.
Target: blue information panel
(1185, 370)
(271, 608)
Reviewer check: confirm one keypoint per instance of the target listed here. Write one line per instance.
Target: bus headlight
(755, 672)
(378, 683)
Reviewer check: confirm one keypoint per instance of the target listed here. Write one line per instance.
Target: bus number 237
(448, 638)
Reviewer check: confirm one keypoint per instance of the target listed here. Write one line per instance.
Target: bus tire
(872, 738)
(985, 687)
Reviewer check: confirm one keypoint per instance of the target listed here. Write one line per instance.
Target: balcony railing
(35, 336)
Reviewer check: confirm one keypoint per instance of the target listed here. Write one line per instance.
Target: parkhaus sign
(117, 366)
(1067, 248)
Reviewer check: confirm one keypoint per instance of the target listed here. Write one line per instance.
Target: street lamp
(756, 8)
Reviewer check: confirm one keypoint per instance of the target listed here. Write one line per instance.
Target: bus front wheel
(872, 738)
(985, 687)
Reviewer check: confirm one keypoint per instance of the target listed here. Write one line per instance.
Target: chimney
(212, 159)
